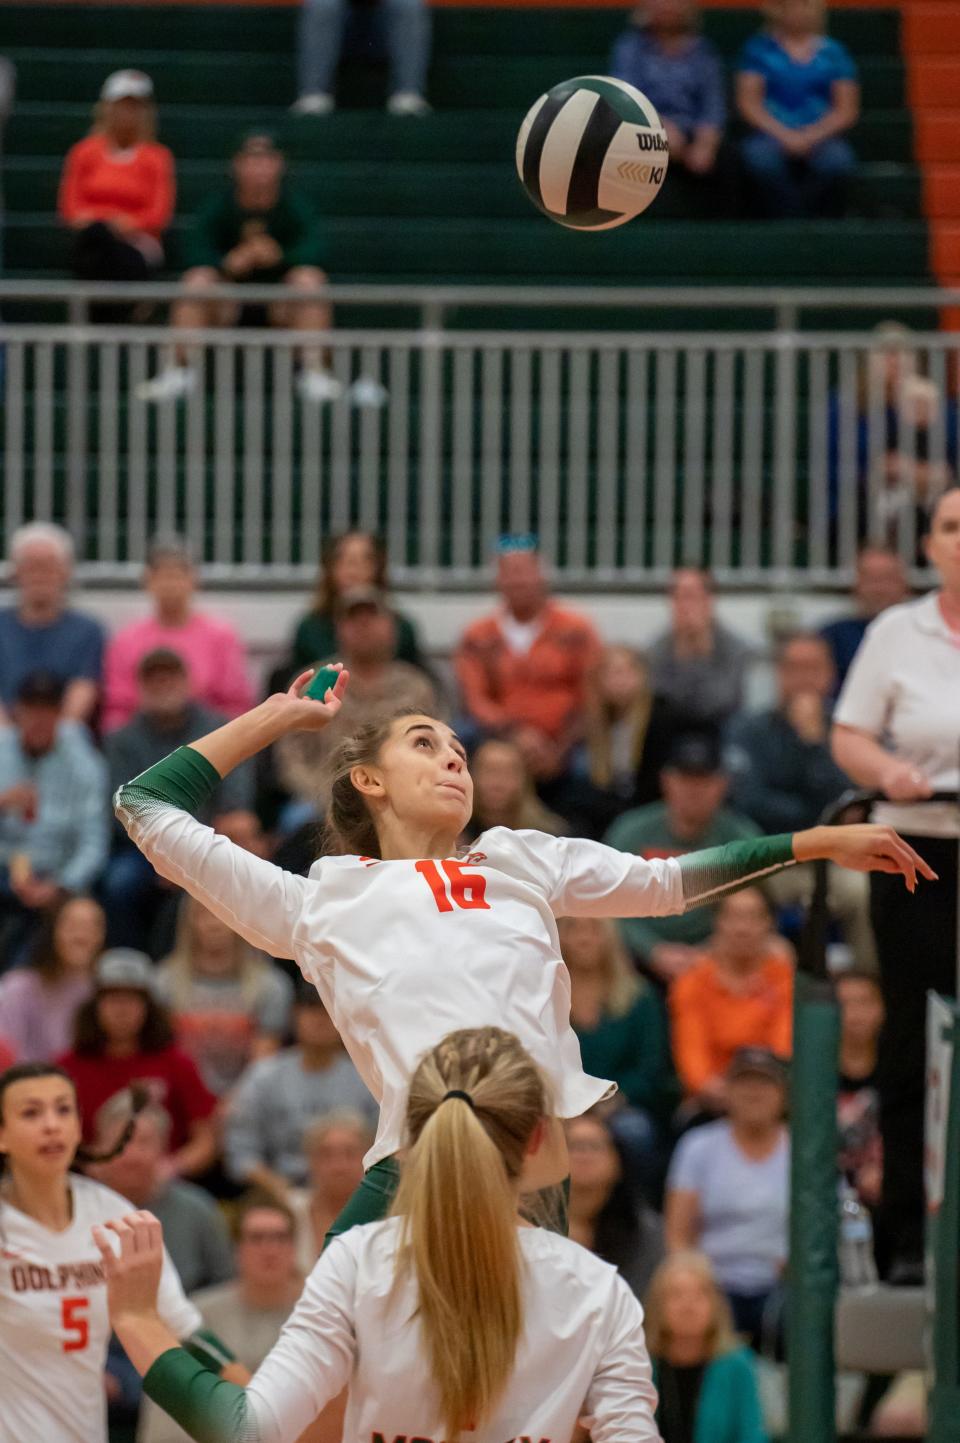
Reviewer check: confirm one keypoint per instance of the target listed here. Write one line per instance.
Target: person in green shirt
(257, 231)
(350, 560)
(691, 816)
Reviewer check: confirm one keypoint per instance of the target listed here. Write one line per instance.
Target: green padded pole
(943, 1232)
(813, 1211)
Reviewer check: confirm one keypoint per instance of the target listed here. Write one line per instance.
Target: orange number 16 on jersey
(458, 888)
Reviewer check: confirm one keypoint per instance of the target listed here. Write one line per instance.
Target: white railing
(768, 455)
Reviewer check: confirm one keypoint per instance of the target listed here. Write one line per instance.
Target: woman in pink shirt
(214, 654)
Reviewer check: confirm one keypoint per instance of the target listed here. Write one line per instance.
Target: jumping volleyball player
(450, 1316)
(408, 938)
(54, 1328)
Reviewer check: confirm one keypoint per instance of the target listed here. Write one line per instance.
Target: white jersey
(54, 1327)
(582, 1353)
(404, 952)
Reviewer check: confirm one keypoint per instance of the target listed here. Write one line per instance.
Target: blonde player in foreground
(406, 936)
(53, 1300)
(453, 1315)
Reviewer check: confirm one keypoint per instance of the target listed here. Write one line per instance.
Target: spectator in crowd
(895, 730)
(334, 1147)
(230, 1005)
(783, 776)
(40, 632)
(366, 644)
(406, 26)
(629, 730)
(706, 1381)
(38, 1003)
(692, 815)
(797, 90)
(606, 1215)
(279, 1096)
(858, 1101)
(247, 1313)
(167, 718)
(880, 581)
(54, 827)
(504, 794)
(194, 1230)
(728, 1189)
(351, 560)
(124, 1035)
(620, 1023)
(698, 665)
(885, 433)
(908, 478)
(213, 652)
(258, 231)
(117, 190)
(525, 671)
(739, 994)
(661, 53)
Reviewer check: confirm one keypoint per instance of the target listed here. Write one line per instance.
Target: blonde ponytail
(458, 1203)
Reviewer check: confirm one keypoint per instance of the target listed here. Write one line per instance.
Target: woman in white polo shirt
(897, 728)
(450, 1316)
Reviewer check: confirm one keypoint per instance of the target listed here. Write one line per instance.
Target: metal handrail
(696, 297)
(785, 302)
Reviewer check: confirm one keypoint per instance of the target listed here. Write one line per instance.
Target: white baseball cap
(127, 85)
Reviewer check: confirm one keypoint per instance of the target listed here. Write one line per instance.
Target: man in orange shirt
(524, 671)
(740, 994)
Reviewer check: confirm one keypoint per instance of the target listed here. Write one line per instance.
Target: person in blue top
(797, 90)
(705, 1379)
(660, 52)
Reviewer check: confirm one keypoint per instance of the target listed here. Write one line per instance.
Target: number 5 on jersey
(458, 888)
(75, 1324)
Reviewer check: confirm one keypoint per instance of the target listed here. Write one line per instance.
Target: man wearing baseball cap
(691, 815)
(259, 230)
(117, 190)
(168, 716)
(728, 1188)
(54, 826)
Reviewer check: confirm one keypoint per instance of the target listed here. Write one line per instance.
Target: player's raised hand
(309, 714)
(133, 1273)
(864, 847)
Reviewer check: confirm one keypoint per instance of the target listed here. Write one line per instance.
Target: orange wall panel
(931, 28)
(934, 81)
(937, 136)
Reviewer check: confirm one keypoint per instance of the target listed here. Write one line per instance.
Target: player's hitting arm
(259, 901)
(591, 879)
(307, 1367)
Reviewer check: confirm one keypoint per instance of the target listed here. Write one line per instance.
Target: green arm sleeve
(707, 875)
(206, 1407)
(184, 779)
(208, 1349)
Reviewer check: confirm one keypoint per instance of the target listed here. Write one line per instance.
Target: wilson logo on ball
(577, 153)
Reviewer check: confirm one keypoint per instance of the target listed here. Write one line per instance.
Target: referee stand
(879, 1329)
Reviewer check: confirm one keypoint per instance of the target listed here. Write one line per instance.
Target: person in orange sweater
(524, 671)
(117, 189)
(740, 994)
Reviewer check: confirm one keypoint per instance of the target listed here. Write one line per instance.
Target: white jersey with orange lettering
(582, 1352)
(405, 952)
(54, 1328)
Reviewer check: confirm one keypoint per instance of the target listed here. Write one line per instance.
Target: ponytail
(474, 1103)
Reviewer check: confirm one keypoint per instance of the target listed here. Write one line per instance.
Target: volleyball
(592, 153)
